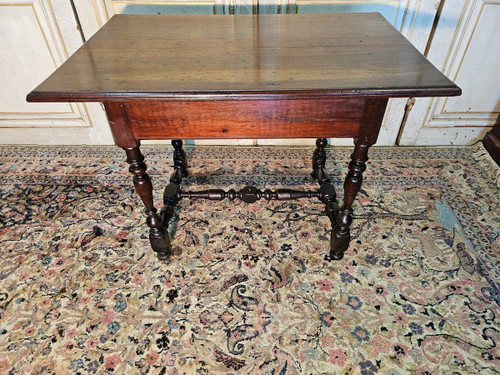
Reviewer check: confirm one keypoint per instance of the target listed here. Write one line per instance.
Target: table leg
(341, 232)
(158, 236)
(171, 194)
(327, 190)
(319, 156)
(124, 137)
(370, 126)
(180, 158)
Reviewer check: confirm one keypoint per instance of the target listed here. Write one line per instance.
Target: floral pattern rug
(249, 290)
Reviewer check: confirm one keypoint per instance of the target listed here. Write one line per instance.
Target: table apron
(284, 118)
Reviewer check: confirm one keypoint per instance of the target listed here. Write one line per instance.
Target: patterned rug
(249, 290)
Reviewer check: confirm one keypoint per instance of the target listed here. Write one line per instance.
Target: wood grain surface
(180, 57)
(294, 118)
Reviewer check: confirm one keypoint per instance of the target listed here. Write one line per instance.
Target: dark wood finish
(249, 194)
(180, 158)
(327, 194)
(492, 141)
(261, 76)
(120, 125)
(372, 120)
(242, 56)
(329, 198)
(298, 118)
(158, 236)
(124, 138)
(171, 193)
(319, 160)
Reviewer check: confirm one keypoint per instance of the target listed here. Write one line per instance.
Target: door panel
(34, 42)
(465, 47)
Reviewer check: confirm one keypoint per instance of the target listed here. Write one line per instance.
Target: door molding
(37, 36)
(73, 115)
(456, 121)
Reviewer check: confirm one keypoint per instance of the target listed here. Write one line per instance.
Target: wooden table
(265, 76)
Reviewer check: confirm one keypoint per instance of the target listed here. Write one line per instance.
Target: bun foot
(161, 246)
(163, 256)
(338, 245)
(336, 256)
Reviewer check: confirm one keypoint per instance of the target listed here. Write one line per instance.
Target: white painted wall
(36, 36)
(466, 47)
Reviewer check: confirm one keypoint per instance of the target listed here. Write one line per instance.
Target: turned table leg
(180, 157)
(319, 157)
(124, 137)
(158, 236)
(341, 232)
(370, 126)
(171, 194)
(327, 193)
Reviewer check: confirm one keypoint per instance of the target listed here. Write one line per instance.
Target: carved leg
(180, 158)
(319, 156)
(341, 233)
(158, 237)
(327, 193)
(373, 115)
(172, 190)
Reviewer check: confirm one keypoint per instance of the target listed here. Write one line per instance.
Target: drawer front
(290, 118)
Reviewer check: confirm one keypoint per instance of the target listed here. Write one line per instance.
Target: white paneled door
(466, 47)
(460, 36)
(36, 36)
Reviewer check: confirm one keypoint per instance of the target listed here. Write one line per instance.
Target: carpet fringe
(481, 154)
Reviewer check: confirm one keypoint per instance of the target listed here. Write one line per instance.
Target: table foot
(338, 244)
(160, 243)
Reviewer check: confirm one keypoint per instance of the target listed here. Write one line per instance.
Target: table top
(135, 57)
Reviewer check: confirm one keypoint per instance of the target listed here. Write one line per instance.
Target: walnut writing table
(261, 76)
